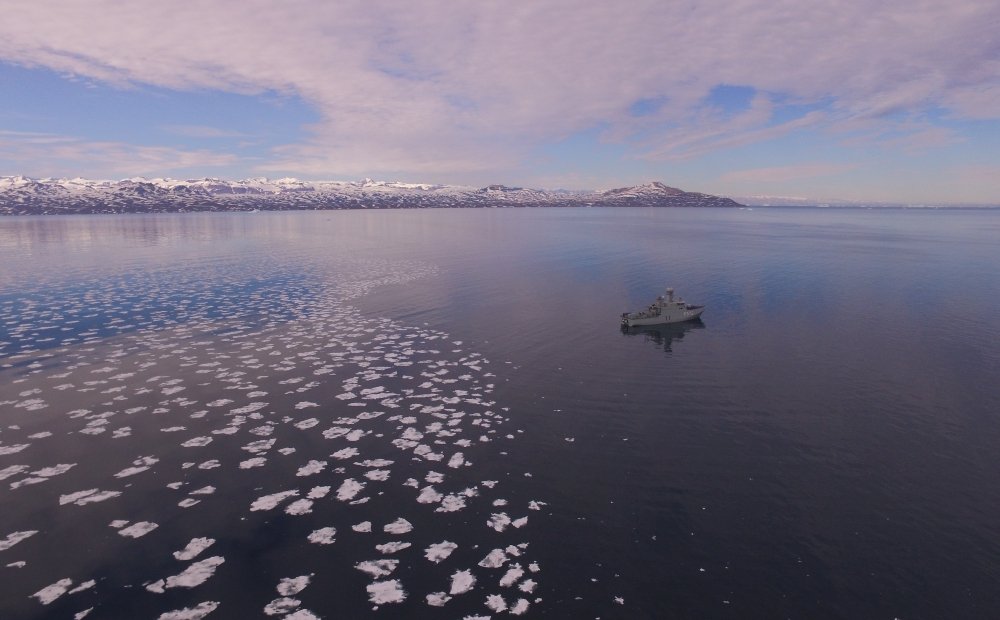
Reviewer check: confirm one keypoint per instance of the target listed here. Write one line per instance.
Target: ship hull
(666, 318)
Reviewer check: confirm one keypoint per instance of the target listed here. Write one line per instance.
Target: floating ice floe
(197, 442)
(299, 507)
(392, 547)
(269, 502)
(399, 526)
(438, 552)
(257, 461)
(349, 489)
(428, 495)
(496, 603)
(323, 536)
(461, 582)
(15, 537)
(311, 468)
(499, 521)
(290, 586)
(383, 592)
(513, 574)
(377, 568)
(192, 576)
(139, 465)
(494, 559)
(138, 529)
(194, 548)
(197, 612)
(12, 470)
(281, 606)
(318, 492)
(403, 390)
(50, 593)
(90, 496)
(451, 503)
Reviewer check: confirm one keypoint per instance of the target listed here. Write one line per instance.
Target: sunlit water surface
(435, 414)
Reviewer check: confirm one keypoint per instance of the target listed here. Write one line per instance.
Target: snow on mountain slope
(21, 195)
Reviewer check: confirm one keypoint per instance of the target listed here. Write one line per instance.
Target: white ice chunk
(318, 492)
(138, 529)
(451, 503)
(349, 489)
(428, 495)
(499, 521)
(383, 592)
(392, 547)
(299, 507)
(281, 606)
(439, 551)
(494, 559)
(268, 502)
(290, 586)
(50, 593)
(511, 576)
(313, 467)
(399, 526)
(377, 475)
(193, 548)
(462, 581)
(14, 538)
(323, 536)
(496, 603)
(191, 613)
(377, 568)
(345, 453)
(192, 576)
(197, 442)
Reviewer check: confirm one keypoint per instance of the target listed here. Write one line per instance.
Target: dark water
(824, 444)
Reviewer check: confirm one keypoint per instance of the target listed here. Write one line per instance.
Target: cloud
(71, 156)
(783, 174)
(440, 86)
(203, 131)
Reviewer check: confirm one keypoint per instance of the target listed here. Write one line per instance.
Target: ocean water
(434, 413)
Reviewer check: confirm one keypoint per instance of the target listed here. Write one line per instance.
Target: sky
(889, 100)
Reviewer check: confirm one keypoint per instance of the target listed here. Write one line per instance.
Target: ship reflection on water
(663, 335)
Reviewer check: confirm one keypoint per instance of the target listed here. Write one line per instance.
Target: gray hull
(663, 311)
(665, 318)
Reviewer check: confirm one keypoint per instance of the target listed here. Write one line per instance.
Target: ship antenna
(670, 294)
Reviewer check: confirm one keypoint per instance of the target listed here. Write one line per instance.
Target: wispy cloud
(202, 131)
(67, 155)
(438, 85)
(782, 174)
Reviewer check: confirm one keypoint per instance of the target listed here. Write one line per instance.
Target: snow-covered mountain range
(21, 195)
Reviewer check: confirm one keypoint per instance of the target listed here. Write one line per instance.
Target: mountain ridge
(21, 195)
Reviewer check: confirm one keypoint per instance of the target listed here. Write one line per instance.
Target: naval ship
(663, 311)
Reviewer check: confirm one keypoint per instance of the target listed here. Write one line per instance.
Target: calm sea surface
(405, 414)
